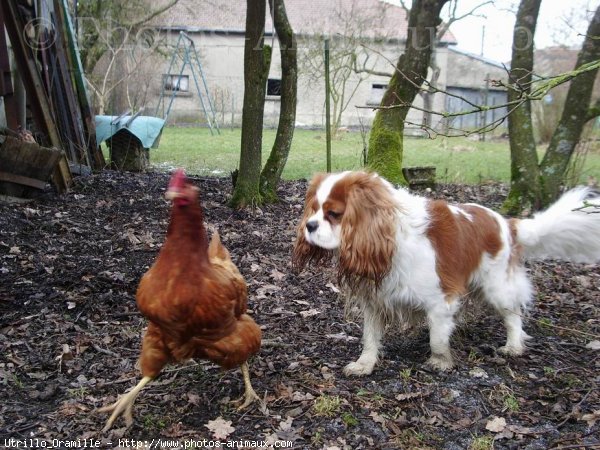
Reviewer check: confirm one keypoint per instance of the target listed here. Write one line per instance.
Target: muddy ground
(70, 336)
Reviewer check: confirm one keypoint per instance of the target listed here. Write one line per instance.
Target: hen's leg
(249, 394)
(154, 357)
(124, 406)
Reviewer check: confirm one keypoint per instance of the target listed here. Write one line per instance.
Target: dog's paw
(358, 369)
(515, 344)
(440, 362)
(512, 349)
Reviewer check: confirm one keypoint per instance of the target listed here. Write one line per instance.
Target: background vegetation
(458, 160)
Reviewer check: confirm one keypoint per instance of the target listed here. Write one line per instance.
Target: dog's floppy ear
(368, 236)
(303, 251)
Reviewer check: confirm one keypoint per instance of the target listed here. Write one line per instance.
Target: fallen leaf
(66, 352)
(341, 336)
(265, 289)
(286, 424)
(310, 312)
(591, 418)
(496, 425)
(130, 234)
(194, 399)
(300, 396)
(594, 345)
(277, 275)
(478, 373)
(220, 428)
(302, 302)
(377, 418)
(332, 287)
(410, 395)
(516, 429)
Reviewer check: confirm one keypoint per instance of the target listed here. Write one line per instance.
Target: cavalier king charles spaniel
(402, 257)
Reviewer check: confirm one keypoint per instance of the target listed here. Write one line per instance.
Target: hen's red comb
(178, 180)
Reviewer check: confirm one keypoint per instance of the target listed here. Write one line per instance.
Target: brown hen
(195, 300)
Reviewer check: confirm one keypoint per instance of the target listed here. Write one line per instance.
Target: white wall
(222, 59)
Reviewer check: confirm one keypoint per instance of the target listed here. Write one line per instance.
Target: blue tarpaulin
(146, 128)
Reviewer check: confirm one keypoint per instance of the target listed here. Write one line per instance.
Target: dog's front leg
(372, 333)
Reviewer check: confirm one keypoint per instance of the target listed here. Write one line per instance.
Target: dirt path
(70, 336)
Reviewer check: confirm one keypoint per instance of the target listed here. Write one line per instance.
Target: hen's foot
(123, 406)
(249, 394)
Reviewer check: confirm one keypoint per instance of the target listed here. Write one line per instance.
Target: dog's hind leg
(509, 296)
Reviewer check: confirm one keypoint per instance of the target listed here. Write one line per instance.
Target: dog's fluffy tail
(568, 230)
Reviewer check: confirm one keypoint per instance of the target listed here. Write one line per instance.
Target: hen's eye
(334, 215)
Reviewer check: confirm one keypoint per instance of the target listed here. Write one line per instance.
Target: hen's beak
(172, 194)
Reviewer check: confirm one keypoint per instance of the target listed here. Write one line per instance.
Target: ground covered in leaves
(70, 336)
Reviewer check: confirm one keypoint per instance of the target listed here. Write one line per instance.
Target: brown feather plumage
(194, 298)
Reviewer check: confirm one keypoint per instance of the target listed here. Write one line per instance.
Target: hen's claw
(249, 394)
(123, 406)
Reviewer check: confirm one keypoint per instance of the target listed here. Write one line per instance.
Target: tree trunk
(525, 188)
(385, 142)
(429, 93)
(257, 59)
(574, 117)
(271, 173)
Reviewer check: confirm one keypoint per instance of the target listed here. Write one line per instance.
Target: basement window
(377, 91)
(274, 87)
(180, 83)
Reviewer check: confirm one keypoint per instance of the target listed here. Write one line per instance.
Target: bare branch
(152, 14)
(404, 7)
(445, 26)
(535, 90)
(378, 73)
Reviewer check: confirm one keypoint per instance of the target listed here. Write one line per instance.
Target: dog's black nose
(312, 226)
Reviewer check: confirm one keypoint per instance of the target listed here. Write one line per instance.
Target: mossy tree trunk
(271, 173)
(385, 141)
(536, 185)
(576, 113)
(257, 59)
(525, 189)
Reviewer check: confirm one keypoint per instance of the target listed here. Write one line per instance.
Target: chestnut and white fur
(402, 256)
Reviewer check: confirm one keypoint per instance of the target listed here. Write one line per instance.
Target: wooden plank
(20, 179)
(28, 69)
(25, 165)
(74, 59)
(6, 88)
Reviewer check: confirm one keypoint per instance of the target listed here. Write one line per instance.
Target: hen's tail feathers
(567, 230)
(216, 249)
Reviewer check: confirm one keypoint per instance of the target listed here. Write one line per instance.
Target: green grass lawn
(458, 160)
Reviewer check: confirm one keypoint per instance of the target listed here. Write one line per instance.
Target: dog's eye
(334, 215)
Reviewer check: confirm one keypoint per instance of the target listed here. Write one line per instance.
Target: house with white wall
(374, 31)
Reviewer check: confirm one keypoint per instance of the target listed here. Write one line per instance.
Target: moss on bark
(575, 115)
(271, 173)
(385, 152)
(257, 59)
(525, 189)
(386, 140)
